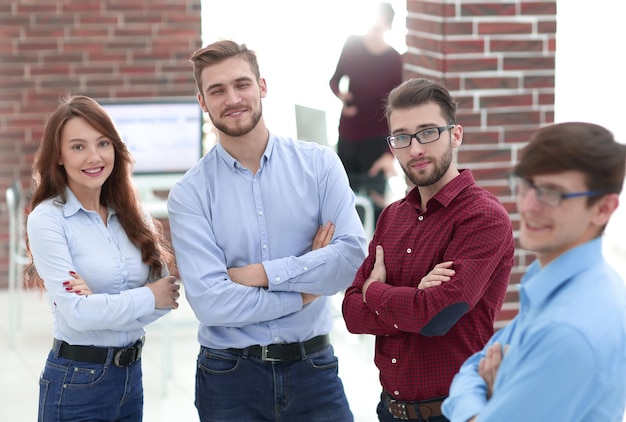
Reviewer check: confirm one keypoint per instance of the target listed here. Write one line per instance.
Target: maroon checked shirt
(423, 336)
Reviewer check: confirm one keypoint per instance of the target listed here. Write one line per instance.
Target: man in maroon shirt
(438, 264)
(373, 68)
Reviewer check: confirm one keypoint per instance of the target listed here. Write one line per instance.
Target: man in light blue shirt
(563, 358)
(265, 230)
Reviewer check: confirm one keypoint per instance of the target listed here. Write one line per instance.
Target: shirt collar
(447, 193)
(72, 205)
(539, 283)
(234, 164)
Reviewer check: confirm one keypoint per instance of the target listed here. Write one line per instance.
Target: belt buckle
(398, 410)
(264, 356)
(121, 358)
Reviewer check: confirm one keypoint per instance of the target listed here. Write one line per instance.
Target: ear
(605, 208)
(263, 87)
(60, 161)
(457, 136)
(201, 102)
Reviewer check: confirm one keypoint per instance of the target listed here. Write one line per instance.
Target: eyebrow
(99, 138)
(240, 79)
(419, 128)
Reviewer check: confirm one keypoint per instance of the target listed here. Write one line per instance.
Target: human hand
(165, 291)
(489, 365)
(379, 272)
(77, 285)
(440, 274)
(323, 236)
(308, 298)
(349, 110)
(252, 275)
(384, 163)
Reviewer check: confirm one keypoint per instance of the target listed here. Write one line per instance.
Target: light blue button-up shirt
(223, 216)
(567, 355)
(67, 237)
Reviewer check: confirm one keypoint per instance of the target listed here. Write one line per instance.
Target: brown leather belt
(413, 411)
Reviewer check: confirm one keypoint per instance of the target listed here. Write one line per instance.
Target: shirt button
(264, 246)
(276, 339)
(393, 360)
(376, 312)
(277, 279)
(306, 268)
(396, 393)
(395, 326)
(260, 212)
(408, 250)
(420, 218)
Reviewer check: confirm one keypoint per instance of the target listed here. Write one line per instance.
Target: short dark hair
(415, 92)
(585, 147)
(218, 51)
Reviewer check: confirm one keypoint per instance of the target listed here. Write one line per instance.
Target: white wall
(298, 44)
(591, 86)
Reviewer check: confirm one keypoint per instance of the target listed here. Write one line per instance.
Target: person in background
(265, 231)
(373, 68)
(563, 357)
(439, 262)
(103, 263)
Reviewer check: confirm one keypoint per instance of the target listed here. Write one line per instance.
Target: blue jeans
(78, 391)
(231, 388)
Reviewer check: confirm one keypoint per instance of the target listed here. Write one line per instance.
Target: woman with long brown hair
(103, 262)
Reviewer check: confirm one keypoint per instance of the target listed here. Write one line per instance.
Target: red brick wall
(102, 48)
(497, 59)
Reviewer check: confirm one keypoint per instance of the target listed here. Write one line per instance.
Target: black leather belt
(284, 351)
(121, 356)
(413, 411)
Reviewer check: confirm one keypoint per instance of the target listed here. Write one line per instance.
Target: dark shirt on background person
(373, 68)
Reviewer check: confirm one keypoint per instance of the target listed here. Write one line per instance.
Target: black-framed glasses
(425, 136)
(545, 195)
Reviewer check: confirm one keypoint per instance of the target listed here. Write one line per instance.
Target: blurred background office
(512, 65)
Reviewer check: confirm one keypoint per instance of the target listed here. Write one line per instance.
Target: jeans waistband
(119, 356)
(284, 351)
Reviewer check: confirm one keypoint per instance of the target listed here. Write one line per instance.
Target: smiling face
(87, 155)
(550, 231)
(426, 165)
(232, 96)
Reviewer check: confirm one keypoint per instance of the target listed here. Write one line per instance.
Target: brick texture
(497, 59)
(106, 49)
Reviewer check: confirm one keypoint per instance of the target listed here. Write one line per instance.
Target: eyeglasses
(425, 136)
(547, 196)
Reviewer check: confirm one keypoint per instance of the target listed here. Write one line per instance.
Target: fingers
(489, 365)
(77, 285)
(441, 273)
(323, 236)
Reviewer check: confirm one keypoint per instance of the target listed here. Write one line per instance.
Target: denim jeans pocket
(324, 359)
(218, 362)
(44, 384)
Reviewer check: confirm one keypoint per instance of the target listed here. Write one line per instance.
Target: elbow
(441, 323)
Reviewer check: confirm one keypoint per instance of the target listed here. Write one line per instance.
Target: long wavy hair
(118, 191)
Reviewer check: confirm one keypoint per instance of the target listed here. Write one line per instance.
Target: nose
(232, 97)
(94, 154)
(415, 148)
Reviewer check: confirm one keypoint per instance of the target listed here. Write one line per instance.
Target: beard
(422, 178)
(241, 127)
